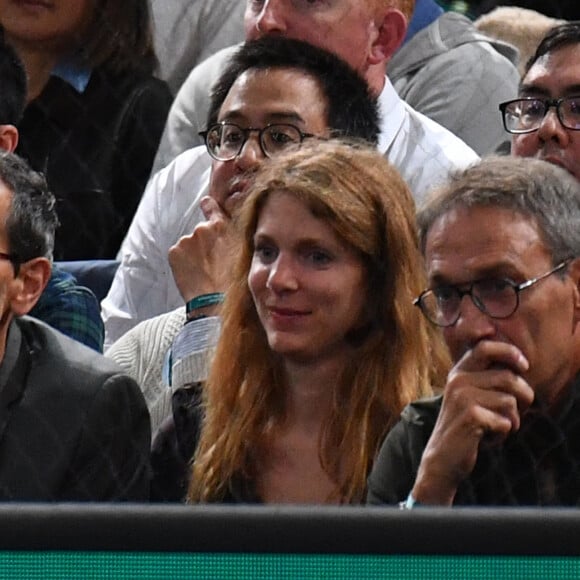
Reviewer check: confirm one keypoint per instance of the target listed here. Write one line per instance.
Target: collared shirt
(72, 309)
(538, 465)
(143, 287)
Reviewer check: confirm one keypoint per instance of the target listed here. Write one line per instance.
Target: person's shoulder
(215, 62)
(183, 180)
(423, 412)
(68, 359)
(435, 137)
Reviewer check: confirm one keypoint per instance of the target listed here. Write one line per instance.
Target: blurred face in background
(57, 24)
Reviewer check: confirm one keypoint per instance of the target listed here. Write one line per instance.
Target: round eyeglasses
(525, 115)
(225, 141)
(496, 297)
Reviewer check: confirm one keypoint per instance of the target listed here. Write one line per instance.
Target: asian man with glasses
(545, 118)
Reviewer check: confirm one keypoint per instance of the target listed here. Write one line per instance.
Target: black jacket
(72, 426)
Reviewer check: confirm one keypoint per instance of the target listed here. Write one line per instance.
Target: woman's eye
(319, 257)
(266, 254)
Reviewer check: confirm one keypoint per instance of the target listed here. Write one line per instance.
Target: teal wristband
(409, 503)
(204, 300)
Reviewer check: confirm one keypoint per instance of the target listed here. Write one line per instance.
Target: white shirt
(423, 151)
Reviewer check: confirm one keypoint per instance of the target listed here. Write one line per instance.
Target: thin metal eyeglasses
(525, 115)
(496, 297)
(225, 141)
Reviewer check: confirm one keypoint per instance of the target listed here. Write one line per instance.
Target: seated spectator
(186, 32)
(72, 426)
(321, 346)
(95, 112)
(502, 246)
(269, 82)
(545, 118)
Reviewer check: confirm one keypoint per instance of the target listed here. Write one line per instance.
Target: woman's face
(308, 286)
(52, 23)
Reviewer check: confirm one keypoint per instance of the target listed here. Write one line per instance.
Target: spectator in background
(95, 112)
(186, 32)
(545, 118)
(320, 347)
(63, 304)
(73, 427)
(501, 243)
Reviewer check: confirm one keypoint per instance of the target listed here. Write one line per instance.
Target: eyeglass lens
(226, 140)
(526, 115)
(496, 297)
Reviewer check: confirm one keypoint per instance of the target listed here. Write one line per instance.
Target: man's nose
(551, 129)
(472, 325)
(271, 19)
(251, 155)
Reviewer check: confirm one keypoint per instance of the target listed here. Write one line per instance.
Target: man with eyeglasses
(501, 243)
(545, 118)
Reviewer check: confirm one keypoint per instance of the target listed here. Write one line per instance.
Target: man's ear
(8, 137)
(29, 284)
(391, 27)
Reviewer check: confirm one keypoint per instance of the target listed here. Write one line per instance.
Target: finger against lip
(488, 354)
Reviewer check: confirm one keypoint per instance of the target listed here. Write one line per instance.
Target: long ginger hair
(398, 357)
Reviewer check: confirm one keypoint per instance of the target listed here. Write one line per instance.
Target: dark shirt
(173, 449)
(71, 309)
(539, 465)
(96, 148)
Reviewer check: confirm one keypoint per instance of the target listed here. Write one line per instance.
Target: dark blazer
(72, 426)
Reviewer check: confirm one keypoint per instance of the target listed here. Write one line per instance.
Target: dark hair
(544, 192)
(12, 84)
(351, 110)
(120, 36)
(32, 219)
(558, 37)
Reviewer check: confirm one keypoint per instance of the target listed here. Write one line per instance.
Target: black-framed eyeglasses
(225, 141)
(496, 297)
(525, 115)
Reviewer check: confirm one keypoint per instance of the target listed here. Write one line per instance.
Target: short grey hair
(536, 189)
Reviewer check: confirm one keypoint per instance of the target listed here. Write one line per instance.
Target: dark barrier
(120, 541)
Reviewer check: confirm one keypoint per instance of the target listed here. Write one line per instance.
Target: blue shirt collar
(75, 74)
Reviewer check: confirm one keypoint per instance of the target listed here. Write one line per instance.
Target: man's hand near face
(201, 261)
(484, 400)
